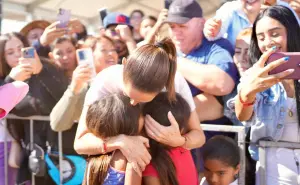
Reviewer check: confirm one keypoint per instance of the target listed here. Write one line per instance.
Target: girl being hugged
(109, 117)
(169, 165)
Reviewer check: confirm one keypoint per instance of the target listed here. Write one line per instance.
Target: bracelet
(104, 147)
(245, 104)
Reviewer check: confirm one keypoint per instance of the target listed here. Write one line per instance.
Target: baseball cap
(181, 11)
(10, 95)
(115, 19)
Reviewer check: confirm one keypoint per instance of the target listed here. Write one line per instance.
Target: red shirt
(184, 164)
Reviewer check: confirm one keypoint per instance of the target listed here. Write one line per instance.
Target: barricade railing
(263, 145)
(31, 119)
(240, 130)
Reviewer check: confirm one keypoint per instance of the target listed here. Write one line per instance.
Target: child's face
(146, 26)
(241, 57)
(218, 173)
(251, 6)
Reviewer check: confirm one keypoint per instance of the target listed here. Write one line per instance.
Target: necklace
(291, 109)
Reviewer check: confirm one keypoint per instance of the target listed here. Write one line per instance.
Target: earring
(236, 176)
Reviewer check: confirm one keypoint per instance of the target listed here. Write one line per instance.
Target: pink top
(10, 95)
(184, 164)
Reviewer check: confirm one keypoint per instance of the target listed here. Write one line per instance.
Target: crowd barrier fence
(240, 130)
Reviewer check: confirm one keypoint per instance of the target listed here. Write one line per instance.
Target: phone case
(85, 56)
(63, 17)
(28, 52)
(103, 14)
(167, 3)
(292, 63)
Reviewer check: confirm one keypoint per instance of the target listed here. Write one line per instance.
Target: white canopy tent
(86, 10)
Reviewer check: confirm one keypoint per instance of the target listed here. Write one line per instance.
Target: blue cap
(115, 19)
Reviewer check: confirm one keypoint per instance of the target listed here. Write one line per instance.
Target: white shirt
(110, 80)
(204, 182)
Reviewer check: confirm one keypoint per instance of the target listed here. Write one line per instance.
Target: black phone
(102, 14)
(167, 3)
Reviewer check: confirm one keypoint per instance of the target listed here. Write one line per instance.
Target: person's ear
(124, 61)
(237, 169)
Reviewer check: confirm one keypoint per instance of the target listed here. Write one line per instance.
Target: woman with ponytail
(169, 165)
(270, 104)
(109, 168)
(149, 70)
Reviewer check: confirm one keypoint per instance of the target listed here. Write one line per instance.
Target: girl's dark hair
(4, 67)
(158, 109)
(65, 38)
(152, 67)
(222, 148)
(110, 116)
(137, 11)
(286, 17)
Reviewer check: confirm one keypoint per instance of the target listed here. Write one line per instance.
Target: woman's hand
(212, 27)
(21, 72)
(51, 33)
(162, 17)
(81, 75)
(134, 148)
(35, 63)
(259, 79)
(170, 135)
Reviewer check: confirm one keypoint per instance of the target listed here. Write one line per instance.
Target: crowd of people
(134, 116)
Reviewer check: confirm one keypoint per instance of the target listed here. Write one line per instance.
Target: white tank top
(291, 127)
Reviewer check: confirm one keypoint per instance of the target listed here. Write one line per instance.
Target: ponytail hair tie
(159, 45)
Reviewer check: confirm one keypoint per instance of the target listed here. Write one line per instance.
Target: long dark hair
(152, 67)
(222, 148)
(286, 17)
(158, 109)
(4, 67)
(110, 116)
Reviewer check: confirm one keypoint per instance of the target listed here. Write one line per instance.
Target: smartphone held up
(292, 63)
(27, 52)
(85, 56)
(63, 18)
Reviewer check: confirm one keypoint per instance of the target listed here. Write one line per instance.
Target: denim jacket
(268, 119)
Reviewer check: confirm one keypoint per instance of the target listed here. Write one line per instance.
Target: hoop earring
(236, 176)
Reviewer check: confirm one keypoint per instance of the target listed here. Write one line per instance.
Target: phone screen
(63, 17)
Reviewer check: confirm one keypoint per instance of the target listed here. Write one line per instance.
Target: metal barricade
(31, 119)
(262, 155)
(240, 130)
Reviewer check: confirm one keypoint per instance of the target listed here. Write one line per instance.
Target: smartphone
(292, 63)
(28, 52)
(63, 17)
(102, 14)
(167, 3)
(85, 56)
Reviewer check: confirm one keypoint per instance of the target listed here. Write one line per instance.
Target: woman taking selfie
(270, 104)
(69, 107)
(148, 71)
(43, 79)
